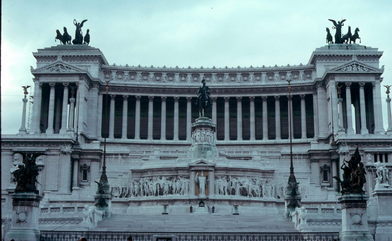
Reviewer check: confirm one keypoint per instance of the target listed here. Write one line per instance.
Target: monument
(353, 201)
(189, 166)
(25, 201)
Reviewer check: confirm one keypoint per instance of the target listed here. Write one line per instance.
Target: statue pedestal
(354, 218)
(203, 140)
(383, 198)
(25, 213)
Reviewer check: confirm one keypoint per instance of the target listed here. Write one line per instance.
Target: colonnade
(257, 116)
(54, 108)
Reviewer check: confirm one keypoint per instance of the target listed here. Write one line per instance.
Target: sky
(183, 33)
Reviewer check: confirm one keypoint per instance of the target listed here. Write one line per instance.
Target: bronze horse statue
(329, 36)
(355, 36)
(347, 37)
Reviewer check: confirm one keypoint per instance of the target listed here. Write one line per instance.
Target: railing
(193, 236)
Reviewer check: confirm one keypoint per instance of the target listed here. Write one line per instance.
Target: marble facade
(147, 116)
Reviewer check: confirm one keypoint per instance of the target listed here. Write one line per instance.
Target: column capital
(361, 84)
(277, 97)
(302, 96)
(214, 98)
(226, 98)
(264, 98)
(252, 98)
(239, 98)
(290, 97)
(163, 98)
(150, 97)
(71, 100)
(348, 84)
(137, 97)
(52, 84)
(125, 97)
(189, 98)
(66, 84)
(176, 98)
(112, 96)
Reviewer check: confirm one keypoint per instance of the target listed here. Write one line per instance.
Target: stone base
(354, 218)
(25, 212)
(383, 199)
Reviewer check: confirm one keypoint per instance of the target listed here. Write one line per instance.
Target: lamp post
(103, 195)
(292, 197)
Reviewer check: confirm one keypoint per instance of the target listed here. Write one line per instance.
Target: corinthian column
(227, 128)
(51, 108)
(163, 118)
(124, 117)
(111, 116)
(303, 117)
(277, 117)
(137, 118)
(364, 129)
(389, 111)
(175, 130)
(378, 128)
(188, 118)
(71, 114)
(22, 128)
(265, 118)
(350, 129)
(65, 110)
(239, 118)
(99, 113)
(252, 118)
(36, 119)
(150, 116)
(213, 114)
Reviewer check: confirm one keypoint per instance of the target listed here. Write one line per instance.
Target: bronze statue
(27, 173)
(86, 39)
(63, 38)
(203, 98)
(25, 92)
(329, 36)
(347, 37)
(78, 32)
(338, 26)
(354, 175)
(355, 36)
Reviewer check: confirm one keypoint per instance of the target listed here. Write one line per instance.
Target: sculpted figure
(382, 173)
(26, 174)
(338, 26)
(201, 180)
(329, 36)
(17, 160)
(355, 36)
(203, 98)
(346, 38)
(78, 32)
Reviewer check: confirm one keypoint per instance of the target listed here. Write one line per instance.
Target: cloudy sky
(183, 33)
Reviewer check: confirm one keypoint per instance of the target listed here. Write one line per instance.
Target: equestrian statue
(203, 99)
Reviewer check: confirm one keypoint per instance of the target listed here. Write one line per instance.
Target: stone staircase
(196, 223)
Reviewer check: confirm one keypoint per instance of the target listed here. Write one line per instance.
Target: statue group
(348, 38)
(65, 38)
(353, 175)
(26, 173)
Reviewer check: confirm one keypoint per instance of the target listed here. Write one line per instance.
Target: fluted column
(99, 113)
(265, 118)
(350, 129)
(163, 118)
(176, 117)
(36, 107)
(277, 117)
(211, 183)
(389, 112)
(315, 116)
(227, 128)
(290, 116)
(239, 118)
(364, 129)
(340, 110)
(22, 128)
(150, 116)
(125, 117)
(188, 118)
(71, 114)
(65, 110)
(252, 118)
(111, 116)
(378, 125)
(303, 117)
(51, 108)
(322, 106)
(137, 118)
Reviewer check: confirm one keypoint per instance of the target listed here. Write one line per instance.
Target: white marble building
(146, 116)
